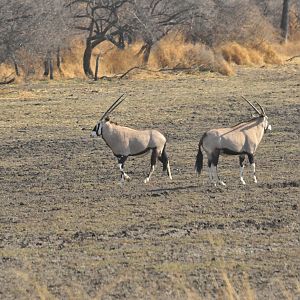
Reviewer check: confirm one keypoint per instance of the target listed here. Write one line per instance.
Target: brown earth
(70, 231)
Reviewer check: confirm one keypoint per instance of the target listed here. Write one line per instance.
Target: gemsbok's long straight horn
(113, 106)
(261, 108)
(251, 105)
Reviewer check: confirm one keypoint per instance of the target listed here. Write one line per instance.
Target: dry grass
(64, 213)
(172, 51)
(251, 55)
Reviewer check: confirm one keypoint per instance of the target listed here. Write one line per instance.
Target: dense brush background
(213, 36)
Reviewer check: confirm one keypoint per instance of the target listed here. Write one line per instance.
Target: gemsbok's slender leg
(242, 158)
(210, 170)
(219, 180)
(215, 161)
(163, 157)
(121, 162)
(169, 170)
(154, 157)
(213, 170)
(252, 164)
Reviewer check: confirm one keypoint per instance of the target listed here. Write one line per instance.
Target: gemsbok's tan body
(125, 142)
(241, 139)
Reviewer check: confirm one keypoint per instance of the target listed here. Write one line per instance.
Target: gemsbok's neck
(256, 126)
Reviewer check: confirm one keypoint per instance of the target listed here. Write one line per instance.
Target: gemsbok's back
(241, 139)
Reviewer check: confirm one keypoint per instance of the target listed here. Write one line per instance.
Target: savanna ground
(70, 231)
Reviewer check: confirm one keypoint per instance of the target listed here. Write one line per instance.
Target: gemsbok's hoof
(243, 181)
(127, 177)
(222, 183)
(147, 180)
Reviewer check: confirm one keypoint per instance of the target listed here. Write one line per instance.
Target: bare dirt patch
(69, 231)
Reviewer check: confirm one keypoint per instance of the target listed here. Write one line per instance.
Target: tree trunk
(97, 67)
(46, 67)
(285, 19)
(47, 63)
(51, 68)
(87, 55)
(58, 59)
(145, 50)
(16, 69)
(147, 53)
(87, 60)
(16, 65)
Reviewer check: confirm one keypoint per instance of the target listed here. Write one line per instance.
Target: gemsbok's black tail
(199, 157)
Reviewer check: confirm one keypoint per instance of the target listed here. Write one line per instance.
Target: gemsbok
(124, 142)
(241, 139)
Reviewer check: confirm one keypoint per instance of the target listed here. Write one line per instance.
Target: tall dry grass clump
(170, 52)
(6, 71)
(116, 61)
(71, 64)
(251, 55)
(289, 49)
(173, 51)
(240, 55)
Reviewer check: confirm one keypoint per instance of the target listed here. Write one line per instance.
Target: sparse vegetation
(69, 231)
(129, 33)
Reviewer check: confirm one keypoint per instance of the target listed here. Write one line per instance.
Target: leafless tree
(54, 28)
(218, 21)
(152, 20)
(36, 28)
(15, 23)
(102, 21)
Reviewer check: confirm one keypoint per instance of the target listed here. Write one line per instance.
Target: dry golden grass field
(68, 230)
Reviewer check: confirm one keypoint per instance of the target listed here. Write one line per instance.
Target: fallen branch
(162, 70)
(175, 69)
(290, 59)
(7, 80)
(131, 69)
